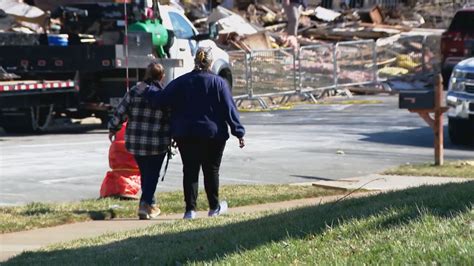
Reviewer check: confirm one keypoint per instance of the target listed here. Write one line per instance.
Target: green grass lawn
(449, 169)
(427, 225)
(38, 215)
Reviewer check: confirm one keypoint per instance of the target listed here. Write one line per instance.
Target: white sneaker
(189, 215)
(222, 209)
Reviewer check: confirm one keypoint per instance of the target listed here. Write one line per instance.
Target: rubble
(372, 15)
(230, 22)
(6, 21)
(20, 17)
(347, 32)
(325, 14)
(405, 56)
(4, 75)
(317, 24)
(260, 25)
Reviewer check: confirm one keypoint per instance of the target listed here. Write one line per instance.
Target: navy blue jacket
(201, 106)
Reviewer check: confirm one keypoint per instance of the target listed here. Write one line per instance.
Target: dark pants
(197, 153)
(150, 167)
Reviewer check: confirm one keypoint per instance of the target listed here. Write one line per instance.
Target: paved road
(311, 142)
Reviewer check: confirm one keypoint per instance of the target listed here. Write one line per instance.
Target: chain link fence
(401, 57)
(239, 61)
(409, 59)
(432, 54)
(355, 63)
(273, 71)
(315, 70)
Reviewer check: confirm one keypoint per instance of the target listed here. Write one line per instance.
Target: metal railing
(317, 67)
(239, 62)
(409, 57)
(317, 70)
(356, 63)
(273, 72)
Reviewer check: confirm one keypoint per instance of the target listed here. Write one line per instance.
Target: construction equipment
(101, 48)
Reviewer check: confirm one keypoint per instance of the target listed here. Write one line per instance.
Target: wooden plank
(384, 26)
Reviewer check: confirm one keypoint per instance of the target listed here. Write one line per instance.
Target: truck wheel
(33, 119)
(459, 131)
(17, 122)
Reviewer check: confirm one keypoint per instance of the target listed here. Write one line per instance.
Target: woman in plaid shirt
(147, 136)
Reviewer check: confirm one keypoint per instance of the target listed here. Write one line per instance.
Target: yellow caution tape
(279, 108)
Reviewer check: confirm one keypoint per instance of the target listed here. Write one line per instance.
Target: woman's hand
(112, 136)
(174, 144)
(241, 142)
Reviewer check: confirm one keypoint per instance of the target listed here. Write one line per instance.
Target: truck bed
(35, 85)
(27, 93)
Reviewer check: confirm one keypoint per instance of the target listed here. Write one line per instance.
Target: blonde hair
(154, 71)
(203, 59)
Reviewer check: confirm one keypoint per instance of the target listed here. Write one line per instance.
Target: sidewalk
(14, 243)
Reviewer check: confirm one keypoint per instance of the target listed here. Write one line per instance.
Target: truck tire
(31, 120)
(17, 122)
(460, 131)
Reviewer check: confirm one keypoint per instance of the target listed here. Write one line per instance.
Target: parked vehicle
(95, 64)
(460, 99)
(457, 41)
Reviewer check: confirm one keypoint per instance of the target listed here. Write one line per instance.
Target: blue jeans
(150, 167)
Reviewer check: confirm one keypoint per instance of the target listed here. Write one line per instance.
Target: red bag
(121, 133)
(121, 183)
(124, 179)
(120, 158)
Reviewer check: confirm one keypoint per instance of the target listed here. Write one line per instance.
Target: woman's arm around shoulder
(159, 97)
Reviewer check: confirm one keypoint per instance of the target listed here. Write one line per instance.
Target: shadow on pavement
(419, 137)
(209, 242)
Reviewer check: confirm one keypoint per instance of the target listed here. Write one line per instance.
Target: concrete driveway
(308, 143)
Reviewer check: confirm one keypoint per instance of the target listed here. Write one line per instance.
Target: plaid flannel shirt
(148, 129)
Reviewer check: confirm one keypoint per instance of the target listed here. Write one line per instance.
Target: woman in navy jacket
(202, 108)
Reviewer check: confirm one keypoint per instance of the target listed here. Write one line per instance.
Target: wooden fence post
(438, 123)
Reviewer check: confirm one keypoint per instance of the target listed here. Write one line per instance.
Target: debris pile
(405, 51)
(16, 16)
(403, 44)
(316, 25)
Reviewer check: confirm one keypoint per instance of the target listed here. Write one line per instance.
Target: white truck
(96, 67)
(460, 99)
(188, 40)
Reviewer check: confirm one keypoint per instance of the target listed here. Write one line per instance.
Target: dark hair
(154, 71)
